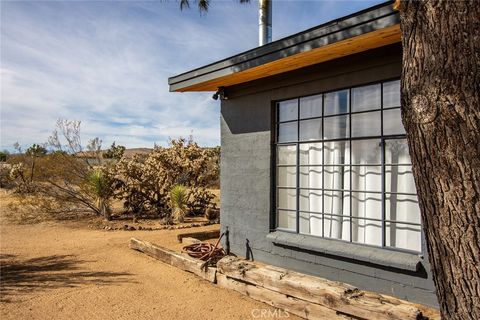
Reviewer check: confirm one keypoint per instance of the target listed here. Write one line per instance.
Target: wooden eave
(372, 28)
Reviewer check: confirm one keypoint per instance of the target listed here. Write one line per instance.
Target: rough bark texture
(441, 114)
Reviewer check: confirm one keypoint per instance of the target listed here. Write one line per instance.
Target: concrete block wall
(246, 175)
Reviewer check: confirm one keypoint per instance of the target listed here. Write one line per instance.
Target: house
(315, 172)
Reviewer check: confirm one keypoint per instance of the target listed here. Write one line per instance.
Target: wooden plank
(200, 235)
(174, 259)
(188, 241)
(278, 300)
(335, 295)
(336, 50)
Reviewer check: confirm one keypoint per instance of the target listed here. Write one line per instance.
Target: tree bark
(441, 114)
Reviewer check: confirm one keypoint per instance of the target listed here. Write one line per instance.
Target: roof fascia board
(349, 22)
(317, 42)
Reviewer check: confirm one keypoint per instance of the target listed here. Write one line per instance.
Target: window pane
(366, 98)
(287, 198)
(335, 127)
(396, 152)
(366, 124)
(311, 223)
(336, 102)
(336, 202)
(366, 151)
(392, 122)
(287, 177)
(311, 129)
(311, 153)
(367, 205)
(311, 177)
(287, 132)
(336, 227)
(367, 231)
(367, 178)
(287, 219)
(403, 236)
(287, 155)
(402, 208)
(337, 177)
(399, 179)
(337, 152)
(287, 110)
(311, 107)
(391, 94)
(311, 200)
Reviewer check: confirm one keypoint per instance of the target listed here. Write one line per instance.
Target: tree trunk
(441, 114)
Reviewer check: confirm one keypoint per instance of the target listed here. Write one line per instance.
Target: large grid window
(343, 170)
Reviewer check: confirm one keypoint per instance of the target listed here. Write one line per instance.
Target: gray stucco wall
(246, 178)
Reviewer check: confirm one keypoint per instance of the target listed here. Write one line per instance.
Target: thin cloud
(107, 64)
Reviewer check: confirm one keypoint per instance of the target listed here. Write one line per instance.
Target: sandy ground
(54, 270)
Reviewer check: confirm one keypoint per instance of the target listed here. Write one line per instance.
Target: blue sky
(107, 63)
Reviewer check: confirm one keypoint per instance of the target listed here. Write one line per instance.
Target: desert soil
(54, 270)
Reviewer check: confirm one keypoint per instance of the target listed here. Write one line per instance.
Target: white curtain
(400, 207)
(311, 177)
(366, 176)
(337, 201)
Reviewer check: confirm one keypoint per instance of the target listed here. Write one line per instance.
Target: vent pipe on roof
(264, 22)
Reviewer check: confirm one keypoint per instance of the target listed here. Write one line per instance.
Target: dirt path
(52, 271)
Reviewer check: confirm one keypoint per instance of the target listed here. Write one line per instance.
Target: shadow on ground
(18, 277)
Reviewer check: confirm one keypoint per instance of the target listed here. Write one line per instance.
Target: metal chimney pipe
(264, 22)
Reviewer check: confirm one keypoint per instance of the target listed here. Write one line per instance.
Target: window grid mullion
(298, 170)
(323, 166)
(350, 160)
(382, 152)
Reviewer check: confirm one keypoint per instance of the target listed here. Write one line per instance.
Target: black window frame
(383, 138)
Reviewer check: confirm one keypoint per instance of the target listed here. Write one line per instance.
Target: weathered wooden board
(278, 300)
(334, 295)
(200, 235)
(173, 258)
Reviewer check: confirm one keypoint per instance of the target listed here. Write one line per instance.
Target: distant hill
(129, 153)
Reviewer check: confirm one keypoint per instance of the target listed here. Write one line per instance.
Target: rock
(140, 228)
(132, 228)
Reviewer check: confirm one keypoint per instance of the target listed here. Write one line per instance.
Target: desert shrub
(6, 180)
(4, 155)
(36, 150)
(144, 183)
(213, 167)
(114, 152)
(69, 182)
(178, 202)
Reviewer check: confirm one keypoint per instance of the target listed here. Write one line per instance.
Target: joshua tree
(101, 191)
(178, 201)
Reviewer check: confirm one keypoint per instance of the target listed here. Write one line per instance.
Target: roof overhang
(368, 29)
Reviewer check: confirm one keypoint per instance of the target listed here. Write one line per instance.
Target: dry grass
(27, 209)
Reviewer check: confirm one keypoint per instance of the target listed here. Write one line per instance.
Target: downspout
(264, 22)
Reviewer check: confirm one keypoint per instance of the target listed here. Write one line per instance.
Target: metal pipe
(264, 22)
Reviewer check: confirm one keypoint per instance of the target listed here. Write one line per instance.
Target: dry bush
(62, 176)
(144, 183)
